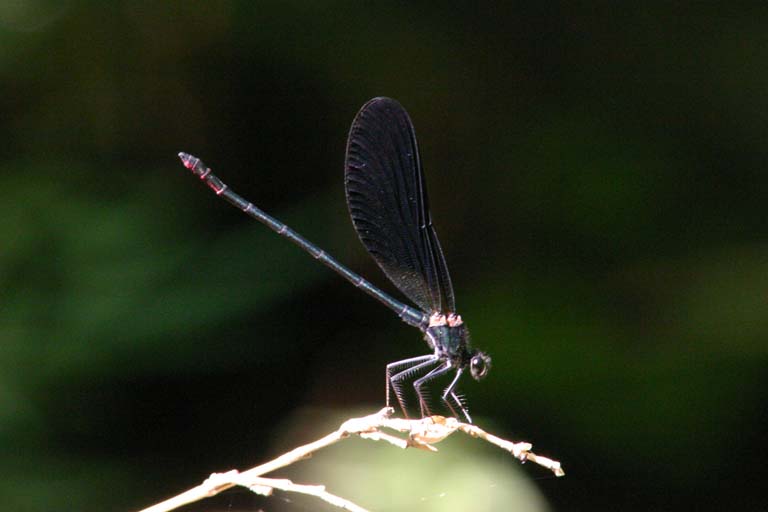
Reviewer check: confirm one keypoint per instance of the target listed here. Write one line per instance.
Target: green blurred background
(597, 177)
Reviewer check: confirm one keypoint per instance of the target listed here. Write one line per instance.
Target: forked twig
(422, 434)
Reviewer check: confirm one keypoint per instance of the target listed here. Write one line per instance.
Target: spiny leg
(407, 374)
(391, 367)
(450, 393)
(417, 364)
(437, 372)
(461, 403)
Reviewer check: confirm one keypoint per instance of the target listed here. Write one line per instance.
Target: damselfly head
(479, 365)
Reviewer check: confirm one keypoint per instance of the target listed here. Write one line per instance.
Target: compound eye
(479, 366)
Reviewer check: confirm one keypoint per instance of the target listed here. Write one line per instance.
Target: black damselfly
(387, 199)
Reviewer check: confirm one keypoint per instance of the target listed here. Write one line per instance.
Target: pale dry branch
(421, 433)
(260, 484)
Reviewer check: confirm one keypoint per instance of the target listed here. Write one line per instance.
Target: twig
(422, 434)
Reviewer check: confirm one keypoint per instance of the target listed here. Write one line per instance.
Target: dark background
(597, 178)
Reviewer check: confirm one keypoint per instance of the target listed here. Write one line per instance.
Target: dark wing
(387, 199)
